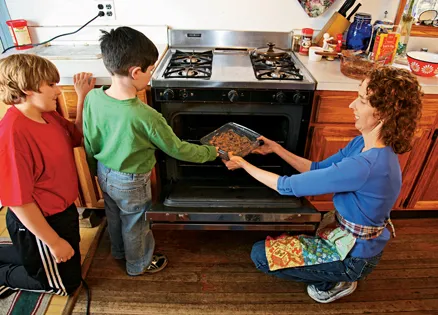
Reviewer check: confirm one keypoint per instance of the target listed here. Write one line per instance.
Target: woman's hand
(235, 162)
(61, 250)
(84, 83)
(268, 146)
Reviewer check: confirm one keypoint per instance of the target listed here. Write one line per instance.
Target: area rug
(23, 302)
(32, 303)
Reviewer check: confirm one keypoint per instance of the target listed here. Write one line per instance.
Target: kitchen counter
(329, 77)
(79, 58)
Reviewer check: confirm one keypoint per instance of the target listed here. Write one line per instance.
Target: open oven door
(207, 206)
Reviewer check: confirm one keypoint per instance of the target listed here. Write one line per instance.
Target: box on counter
(385, 46)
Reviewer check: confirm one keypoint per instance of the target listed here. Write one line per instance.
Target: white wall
(274, 15)
(261, 15)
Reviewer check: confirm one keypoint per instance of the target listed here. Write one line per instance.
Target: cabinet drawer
(332, 107)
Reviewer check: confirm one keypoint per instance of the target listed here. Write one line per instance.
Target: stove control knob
(280, 97)
(297, 98)
(183, 94)
(233, 96)
(168, 94)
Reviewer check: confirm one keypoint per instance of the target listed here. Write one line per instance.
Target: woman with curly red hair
(365, 178)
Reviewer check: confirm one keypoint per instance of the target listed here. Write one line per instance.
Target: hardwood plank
(109, 307)
(212, 273)
(259, 298)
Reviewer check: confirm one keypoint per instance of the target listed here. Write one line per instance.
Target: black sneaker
(158, 263)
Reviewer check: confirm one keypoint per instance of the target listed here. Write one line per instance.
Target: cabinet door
(410, 164)
(326, 141)
(92, 196)
(332, 107)
(425, 193)
(67, 102)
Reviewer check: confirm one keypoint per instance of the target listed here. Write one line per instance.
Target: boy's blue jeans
(323, 276)
(127, 198)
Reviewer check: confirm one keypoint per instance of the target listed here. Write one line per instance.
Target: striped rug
(23, 302)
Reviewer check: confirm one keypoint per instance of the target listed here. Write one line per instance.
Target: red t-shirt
(37, 162)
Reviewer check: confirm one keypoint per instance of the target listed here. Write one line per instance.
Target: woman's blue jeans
(323, 276)
(127, 198)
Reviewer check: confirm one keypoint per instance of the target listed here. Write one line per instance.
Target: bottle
(359, 32)
(306, 41)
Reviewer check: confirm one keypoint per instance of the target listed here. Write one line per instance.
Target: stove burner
(189, 65)
(275, 69)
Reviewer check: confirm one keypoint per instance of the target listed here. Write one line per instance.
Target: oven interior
(211, 184)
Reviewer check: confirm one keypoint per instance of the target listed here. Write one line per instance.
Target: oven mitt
(315, 8)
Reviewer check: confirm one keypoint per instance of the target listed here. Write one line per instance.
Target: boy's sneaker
(340, 290)
(158, 263)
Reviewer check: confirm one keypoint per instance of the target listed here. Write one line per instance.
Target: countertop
(79, 58)
(71, 59)
(329, 77)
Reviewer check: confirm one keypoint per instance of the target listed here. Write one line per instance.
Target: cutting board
(68, 52)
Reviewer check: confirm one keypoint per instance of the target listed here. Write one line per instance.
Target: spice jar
(306, 41)
(296, 43)
(19, 33)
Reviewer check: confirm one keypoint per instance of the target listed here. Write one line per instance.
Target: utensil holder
(336, 25)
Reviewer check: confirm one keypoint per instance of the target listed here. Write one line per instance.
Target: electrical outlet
(107, 7)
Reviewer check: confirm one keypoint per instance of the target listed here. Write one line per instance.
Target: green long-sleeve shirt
(123, 135)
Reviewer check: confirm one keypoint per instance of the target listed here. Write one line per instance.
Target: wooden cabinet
(332, 127)
(90, 195)
(326, 141)
(425, 192)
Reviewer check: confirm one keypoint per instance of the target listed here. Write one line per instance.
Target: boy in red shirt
(38, 178)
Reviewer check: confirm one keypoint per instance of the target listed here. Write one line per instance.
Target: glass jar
(306, 41)
(359, 32)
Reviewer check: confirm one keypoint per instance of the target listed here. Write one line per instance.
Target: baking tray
(239, 130)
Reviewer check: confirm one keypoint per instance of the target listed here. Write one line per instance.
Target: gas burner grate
(275, 69)
(190, 65)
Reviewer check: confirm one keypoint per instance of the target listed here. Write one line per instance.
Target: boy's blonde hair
(24, 72)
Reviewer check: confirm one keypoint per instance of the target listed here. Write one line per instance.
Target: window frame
(417, 30)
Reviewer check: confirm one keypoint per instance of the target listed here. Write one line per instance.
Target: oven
(209, 196)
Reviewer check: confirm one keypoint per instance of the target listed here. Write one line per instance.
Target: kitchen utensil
(271, 52)
(336, 25)
(423, 63)
(327, 53)
(239, 131)
(345, 7)
(354, 11)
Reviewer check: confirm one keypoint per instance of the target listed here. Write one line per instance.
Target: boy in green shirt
(121, 134)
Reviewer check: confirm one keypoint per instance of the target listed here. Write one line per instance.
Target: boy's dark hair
(125, 47)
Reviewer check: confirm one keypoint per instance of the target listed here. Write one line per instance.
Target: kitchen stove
(209, 78)
(189, 65)
(279, 67)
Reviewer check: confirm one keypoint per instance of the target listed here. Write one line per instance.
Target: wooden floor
(210, 272)
(58, 303)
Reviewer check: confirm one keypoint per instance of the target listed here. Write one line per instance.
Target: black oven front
(208, 195)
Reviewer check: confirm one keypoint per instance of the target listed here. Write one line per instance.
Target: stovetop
(189, 65)
(232, 69)
(275, 69)
(227, 59)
